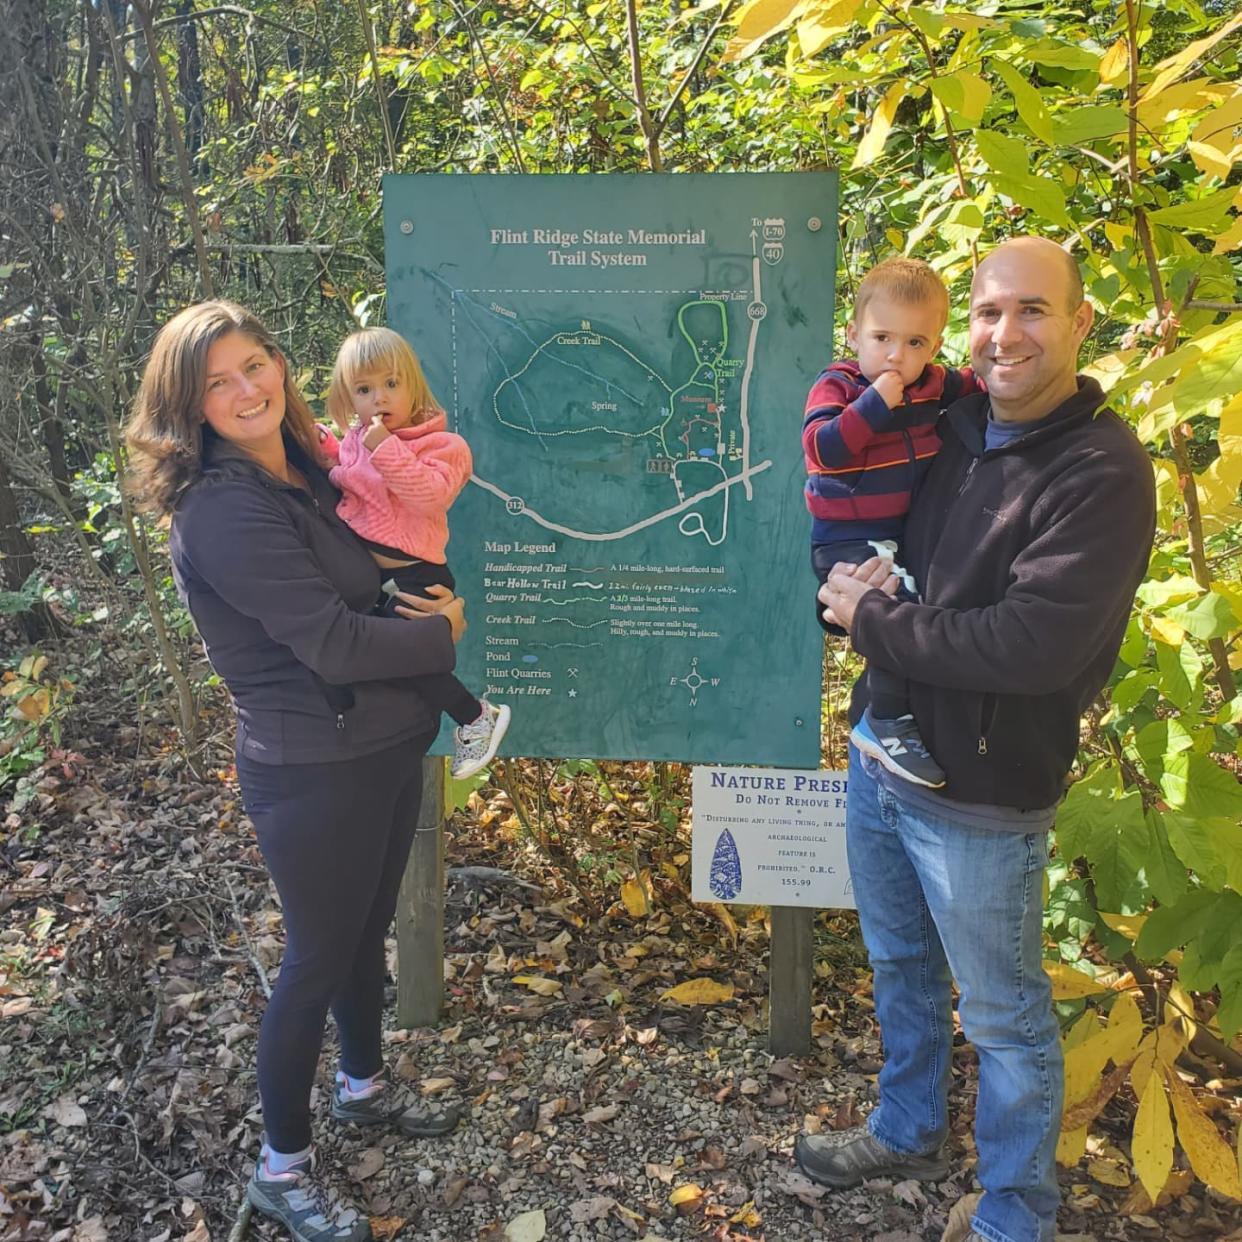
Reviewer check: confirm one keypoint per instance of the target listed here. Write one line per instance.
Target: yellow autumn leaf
(1184, 1007)
(1165, 630)
(32, 667)
(1171, 1041)
(747, 1216)
(1071, 1146)
(1230, 239)
(35, 706)
(1121, 1038)
(699, 992)
(1207, 1151)
(1173, 68)
(685, 1194)
(1114, 63)
(1143, 1065)
(1109, 368)
(757, 21)
(635, 893)
(1084, 1063)
(1127, 925)
(1071, 984)
(881, 123)
(821, 22)
(1152, 1144)
(1218, 485)
(538, 984)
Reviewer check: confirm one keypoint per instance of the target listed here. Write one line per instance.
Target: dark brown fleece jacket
(1028, 557)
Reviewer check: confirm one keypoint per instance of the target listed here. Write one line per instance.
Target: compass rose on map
(694, 681)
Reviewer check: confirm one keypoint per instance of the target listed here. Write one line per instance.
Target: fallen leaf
(605, 1112)
(686, 1198)
(66, 1111)
(538, 984)
(92, 1229)
(636, 897)
(371, 1162)
(595, 1208)
(430, 1086)
(384, 1228)
(1138, 1201)
(699, 992)
(749, 1086)
(747, 1215)
(1109, 1172)
(200, 1233)
(529, 1227)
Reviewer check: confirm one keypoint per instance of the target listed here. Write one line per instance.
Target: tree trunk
(17, 559)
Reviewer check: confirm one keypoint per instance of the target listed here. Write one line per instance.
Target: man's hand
(847, 584)
(890, 387)
(376, 434)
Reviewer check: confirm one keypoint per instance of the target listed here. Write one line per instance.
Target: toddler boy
(869, 435)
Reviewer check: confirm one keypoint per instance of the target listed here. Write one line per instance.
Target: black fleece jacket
(1028, 557)
(281, 591)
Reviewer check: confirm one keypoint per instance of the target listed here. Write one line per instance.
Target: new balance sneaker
(844, 1158)
(475, 744)
(303, 1203)
(897, 746)
(386, 1103)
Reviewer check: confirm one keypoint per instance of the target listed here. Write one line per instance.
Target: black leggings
(441, 691)
(335, 837)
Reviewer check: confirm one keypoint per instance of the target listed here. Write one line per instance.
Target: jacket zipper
(987, 713)
(974, 461)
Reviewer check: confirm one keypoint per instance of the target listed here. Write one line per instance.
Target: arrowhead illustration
(725, 879)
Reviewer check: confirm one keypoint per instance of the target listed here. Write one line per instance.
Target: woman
(281, 591)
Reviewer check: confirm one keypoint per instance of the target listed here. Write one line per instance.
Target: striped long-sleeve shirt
(864, 460)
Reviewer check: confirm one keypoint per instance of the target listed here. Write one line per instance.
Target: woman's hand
(444, 603)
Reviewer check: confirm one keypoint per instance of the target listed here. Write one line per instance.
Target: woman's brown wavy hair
(165, 430)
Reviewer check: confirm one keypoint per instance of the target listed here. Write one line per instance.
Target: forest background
(152, 155)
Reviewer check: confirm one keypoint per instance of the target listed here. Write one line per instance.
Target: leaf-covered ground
(140, 932)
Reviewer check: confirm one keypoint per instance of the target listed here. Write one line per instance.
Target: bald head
(1041, 251)
(1027, 320)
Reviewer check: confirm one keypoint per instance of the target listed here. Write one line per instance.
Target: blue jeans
(935, 897)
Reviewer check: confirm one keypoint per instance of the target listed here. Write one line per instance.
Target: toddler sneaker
(475, 744)
(898, 748)
(304, 1204)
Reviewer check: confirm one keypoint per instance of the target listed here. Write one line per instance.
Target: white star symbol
(573, 694)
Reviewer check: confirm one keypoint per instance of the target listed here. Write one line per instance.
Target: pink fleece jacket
(400, 494)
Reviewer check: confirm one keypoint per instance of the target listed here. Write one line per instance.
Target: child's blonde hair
(903, 280)
(376, 350)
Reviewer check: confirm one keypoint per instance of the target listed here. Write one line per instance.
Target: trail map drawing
(627, 357)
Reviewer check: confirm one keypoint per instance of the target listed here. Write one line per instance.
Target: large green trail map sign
(628, 358)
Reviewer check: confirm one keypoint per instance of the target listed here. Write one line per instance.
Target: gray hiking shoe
(475, 744)
(390, 1104)
(843, 1158)
(302, 1202)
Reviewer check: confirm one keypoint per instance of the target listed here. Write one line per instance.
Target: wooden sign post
(420, 910)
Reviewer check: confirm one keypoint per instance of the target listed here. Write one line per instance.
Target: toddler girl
(399, 470)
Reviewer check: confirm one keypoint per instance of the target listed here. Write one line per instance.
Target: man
(1029, 537)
